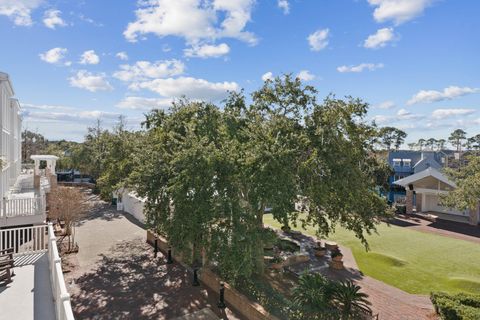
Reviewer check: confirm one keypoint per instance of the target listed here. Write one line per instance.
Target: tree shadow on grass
(129, 283)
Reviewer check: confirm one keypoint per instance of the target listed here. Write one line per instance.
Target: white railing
(14, 207)
(26, 240)
(31, 240)
(63, 307)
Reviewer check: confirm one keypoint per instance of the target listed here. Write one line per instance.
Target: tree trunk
(259, 252)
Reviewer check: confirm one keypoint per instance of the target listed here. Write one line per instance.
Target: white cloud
(305, 75)
(122, 55)
(90, 81)
(318, 40)
(192, 88)
(194, 20)
(404, 114)
(448, 113)
(89, 57)
(381, 119)
(54, 56)
(386, 105)
(52, 19)
(449, 93)
(63, 113)
(267, 76)
(207, 51)
(379, 39)
(144, 70)
(19, 11)
(284, 5)
(398, 11)
(140, 103)
(360, 67)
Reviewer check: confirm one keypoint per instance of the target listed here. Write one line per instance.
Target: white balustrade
(31, 240)
(25, 240)
(63, 307)
(15, 207)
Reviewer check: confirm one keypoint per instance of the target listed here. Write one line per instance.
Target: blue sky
(415, 61)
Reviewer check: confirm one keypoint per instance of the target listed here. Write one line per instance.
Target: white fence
(63, 308)
(15, 207)
(131, 203)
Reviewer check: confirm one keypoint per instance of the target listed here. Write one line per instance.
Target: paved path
(117, 276)
(388, 302)
(451, 229)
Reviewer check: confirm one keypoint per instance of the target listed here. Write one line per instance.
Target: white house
(424, 191)
(11, 144)
(37, 290)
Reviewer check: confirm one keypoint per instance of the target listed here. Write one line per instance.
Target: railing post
(4, 206)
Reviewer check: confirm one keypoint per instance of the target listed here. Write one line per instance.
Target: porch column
(409, 199)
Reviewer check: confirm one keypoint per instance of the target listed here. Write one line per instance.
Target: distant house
(406, 163)
(419, 183)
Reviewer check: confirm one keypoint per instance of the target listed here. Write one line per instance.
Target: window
(397, 162)
(407, 163)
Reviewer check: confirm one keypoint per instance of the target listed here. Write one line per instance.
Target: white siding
(10, 141)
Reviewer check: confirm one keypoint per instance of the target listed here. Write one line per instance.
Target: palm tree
(350, 300)
(313, 294)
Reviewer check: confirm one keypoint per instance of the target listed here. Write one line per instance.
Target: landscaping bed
(413, 261)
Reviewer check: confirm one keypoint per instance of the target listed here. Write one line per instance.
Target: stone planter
(337, 265)
(276, 265)
(320, 252)
(331, 245)
(337, 258)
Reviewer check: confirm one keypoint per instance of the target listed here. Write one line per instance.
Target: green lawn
(413, 261)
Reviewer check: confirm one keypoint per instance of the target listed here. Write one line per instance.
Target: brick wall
(234, 299)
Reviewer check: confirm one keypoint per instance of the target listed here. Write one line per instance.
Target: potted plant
(337, 255)
(276, 263)
(319, 250)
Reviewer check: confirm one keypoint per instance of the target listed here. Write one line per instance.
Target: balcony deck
(24, 204)
(29, 295)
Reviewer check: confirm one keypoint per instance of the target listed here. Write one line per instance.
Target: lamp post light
(221, 302)
(195, 282)
(169, 256)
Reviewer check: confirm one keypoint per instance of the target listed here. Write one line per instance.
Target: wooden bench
(6, 265)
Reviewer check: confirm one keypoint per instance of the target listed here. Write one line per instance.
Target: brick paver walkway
(388, 302)
(117, 276)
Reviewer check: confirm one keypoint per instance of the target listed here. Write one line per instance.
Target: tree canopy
(209, 173)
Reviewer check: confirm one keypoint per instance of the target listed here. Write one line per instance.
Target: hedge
(460, 306)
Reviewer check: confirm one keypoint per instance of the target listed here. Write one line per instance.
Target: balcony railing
(14, 207)
(63, 308)
(33, 240)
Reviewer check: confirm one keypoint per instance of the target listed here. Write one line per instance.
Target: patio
(116, 276)
(29, 295)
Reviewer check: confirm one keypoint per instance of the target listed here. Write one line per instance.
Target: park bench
(6, 265)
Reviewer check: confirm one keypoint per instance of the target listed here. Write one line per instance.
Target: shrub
(460, 306)
(400, 208)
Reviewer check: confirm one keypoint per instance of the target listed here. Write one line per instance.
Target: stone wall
(234, 299)
(249, 309)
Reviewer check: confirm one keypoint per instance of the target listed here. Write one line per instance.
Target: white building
(33, 287)
(428, 186)
(11, 144)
